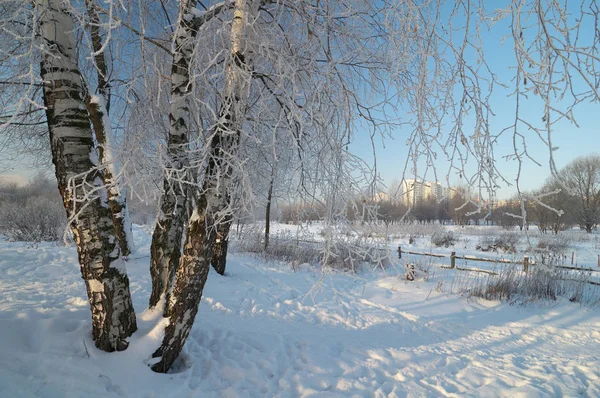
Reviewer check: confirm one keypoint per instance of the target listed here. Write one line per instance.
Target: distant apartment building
(382, 197)
(415, 191)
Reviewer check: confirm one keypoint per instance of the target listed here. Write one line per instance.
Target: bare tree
(98, 106)
(209, 203)
(225, 141)
(80, 182)
(582, 179)
(166, 240)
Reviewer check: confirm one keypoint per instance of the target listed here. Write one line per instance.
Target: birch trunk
(98, 107)
(220, 245)
(227, 135)
(166, 241)
(194, 264)
(184, 299)
(79, 181)
(268, 208)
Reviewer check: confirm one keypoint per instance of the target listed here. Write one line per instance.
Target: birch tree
(214, 198)
(80, 180)
(166, 240)
(225, 141)
(98, 106)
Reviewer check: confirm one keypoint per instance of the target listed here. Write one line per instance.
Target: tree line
(572, 198)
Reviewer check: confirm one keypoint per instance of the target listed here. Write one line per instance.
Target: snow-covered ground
(266, 331)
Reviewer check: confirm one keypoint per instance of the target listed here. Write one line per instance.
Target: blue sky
(570, 141)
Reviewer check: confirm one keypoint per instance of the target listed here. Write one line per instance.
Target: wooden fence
(526, 261)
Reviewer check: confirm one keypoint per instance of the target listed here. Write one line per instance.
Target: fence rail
(452, 256)
(577, 268)
(526, 263)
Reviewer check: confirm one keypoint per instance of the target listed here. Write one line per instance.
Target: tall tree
(581, 178)
(79, 180)
(165, 249)
(225, 141)
(98, 106)
(210, 202)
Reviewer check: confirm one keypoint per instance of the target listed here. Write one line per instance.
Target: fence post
(452, 259)
(525, 264)
(410, 272)
(399, 252)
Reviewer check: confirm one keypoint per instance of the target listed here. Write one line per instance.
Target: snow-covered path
(266, 331)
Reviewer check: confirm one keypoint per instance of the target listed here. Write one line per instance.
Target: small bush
(340, 254)
(505, 242)
(32, 213)
(554, 243)
(501, 287)
(443, 238)
(551, 249)
(351, 254)
(141, 213)
(282, 247)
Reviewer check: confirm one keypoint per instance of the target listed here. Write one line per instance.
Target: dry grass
(514, 286)
(340, 253)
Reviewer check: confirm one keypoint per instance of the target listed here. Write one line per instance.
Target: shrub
(339, 253)
(514, 286)
(443, 238)
(551, 249)
(554, 243)
(140, 212)
(351, 254)
(505, 242)
(32, 213)
(283, 247)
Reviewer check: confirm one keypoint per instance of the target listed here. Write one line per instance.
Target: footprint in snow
(110, 387)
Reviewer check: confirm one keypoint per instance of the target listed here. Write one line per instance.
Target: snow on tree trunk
(227, 135)
(98, 107)
(184, 299)
(110, 170)
(213, 201)
(80, 183)
(166, 240)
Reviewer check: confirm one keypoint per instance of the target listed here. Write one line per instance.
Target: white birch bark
(227, 136)
(194, 263)
(166, 240)
(98, 106)
(79, 180)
